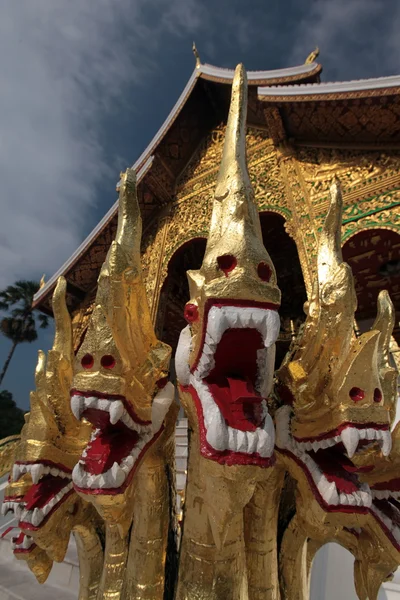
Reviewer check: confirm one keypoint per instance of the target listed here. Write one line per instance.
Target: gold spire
(196, 55)
(312, 56)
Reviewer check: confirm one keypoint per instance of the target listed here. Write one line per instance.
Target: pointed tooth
(129, 461)
(252, 440)
(386, 443)
(36, 473)
(273, 325)
(325, 443)
(332, 496)
(266, 438)
(77, 406)
(37, 517)
(118, 475)
(78, 475)
(217, 432)
(4, 508)
(116, 411)
(366, 498)
(241, 441)
(16, 472)
(91, 402)
(161, 404)
(232, 439)
(93, 481)
(217, 322)
(343, 499)
(351, 499)
(350, 439)
(358, 498)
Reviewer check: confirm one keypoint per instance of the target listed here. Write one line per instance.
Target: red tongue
(336, 467)
(112, 444)
(40, 493)
(238, 402)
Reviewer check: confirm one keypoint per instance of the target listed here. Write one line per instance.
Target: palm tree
(20, 326)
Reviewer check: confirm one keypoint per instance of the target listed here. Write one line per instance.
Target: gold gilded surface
(121, 327)
(329, 360)
(51, 443)
(8, 446)
(138, 508)
(228, 547)
(252, 523)
(319, 390)
(312, 56)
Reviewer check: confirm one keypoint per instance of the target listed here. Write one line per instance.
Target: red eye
(357, 394)
(226, 262)
(191, 313)
(377, 395)
(264, 271)
(87, 361)
(107, 361)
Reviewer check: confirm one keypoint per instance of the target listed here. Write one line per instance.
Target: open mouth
(22, 543)
(119, 440)
(386, 509)
(10, 504)
(51, 486)
(326, 461)
(231, 380)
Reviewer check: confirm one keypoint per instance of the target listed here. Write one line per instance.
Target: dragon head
(23, 545)
(225, 356)
(51, 443)
(338, 390)
(379, 541)
(120, 372)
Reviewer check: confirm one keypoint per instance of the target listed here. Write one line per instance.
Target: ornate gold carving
(196, 55)
(312, 56)
(8, 446)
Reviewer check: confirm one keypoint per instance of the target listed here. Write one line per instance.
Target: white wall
(332, 577)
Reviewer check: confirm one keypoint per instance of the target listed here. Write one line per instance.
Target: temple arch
(374, 256)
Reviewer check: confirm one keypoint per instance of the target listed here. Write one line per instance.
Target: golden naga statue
(280, 463)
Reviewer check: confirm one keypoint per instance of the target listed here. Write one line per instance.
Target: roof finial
(196, 55)
(42, 282)
(312, 56)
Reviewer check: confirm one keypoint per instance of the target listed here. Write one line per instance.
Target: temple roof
(291, 103)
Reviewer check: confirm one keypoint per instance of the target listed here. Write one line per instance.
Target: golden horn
(63, 335)
(233, 180)
(329, 245)
(384, 323)
(129, 229)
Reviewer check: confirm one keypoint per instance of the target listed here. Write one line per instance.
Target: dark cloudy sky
(85, 84)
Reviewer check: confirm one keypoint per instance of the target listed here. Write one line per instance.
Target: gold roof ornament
(312, 56)
(42, 282)
(196, 55)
